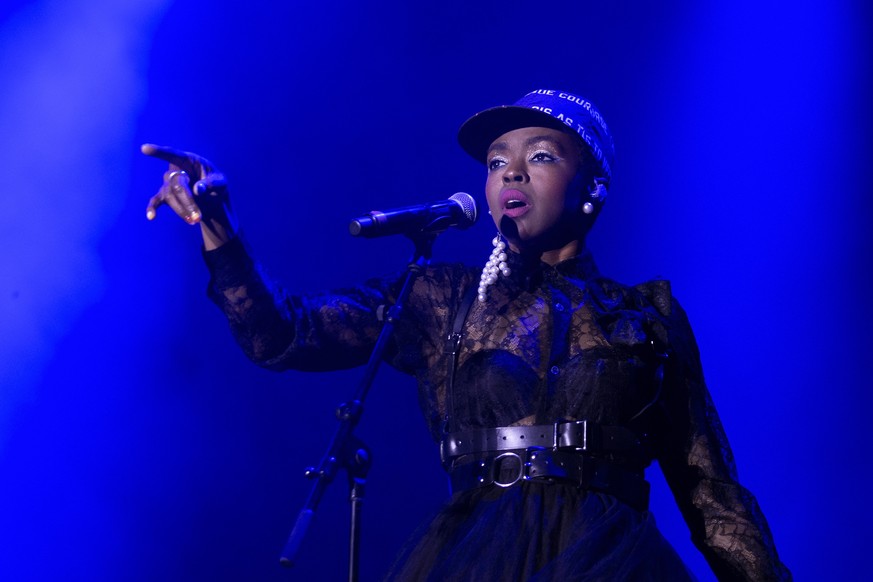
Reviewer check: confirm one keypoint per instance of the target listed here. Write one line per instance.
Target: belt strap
(453, 346)
(586, 472)
(580, 435)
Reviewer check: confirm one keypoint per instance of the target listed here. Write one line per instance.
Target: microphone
(458, 211)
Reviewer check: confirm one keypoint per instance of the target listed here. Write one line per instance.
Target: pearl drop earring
(496, 264)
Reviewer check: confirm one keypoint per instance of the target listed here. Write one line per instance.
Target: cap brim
(478, 133)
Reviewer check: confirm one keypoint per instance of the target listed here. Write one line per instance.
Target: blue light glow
(137, 443)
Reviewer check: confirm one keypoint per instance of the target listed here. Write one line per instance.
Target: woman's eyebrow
(538, 138)
(498, 146)
(503, 146)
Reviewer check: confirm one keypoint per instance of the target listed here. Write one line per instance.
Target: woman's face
(534, 188)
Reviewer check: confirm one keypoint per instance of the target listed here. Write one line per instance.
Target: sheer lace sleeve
(281, 331)
(724, 518)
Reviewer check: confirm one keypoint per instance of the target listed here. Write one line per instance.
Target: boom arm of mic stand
(345, 450)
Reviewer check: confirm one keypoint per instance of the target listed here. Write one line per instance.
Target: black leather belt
(512, 467)
(559, 452)
(579, 435)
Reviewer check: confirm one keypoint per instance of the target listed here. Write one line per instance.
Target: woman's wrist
(217, 232)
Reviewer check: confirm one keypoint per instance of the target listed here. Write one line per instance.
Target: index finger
(168, 154)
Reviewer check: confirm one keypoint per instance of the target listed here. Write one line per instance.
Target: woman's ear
(597, 194)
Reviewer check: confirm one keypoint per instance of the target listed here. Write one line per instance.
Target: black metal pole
(356, 498)
(345, 450)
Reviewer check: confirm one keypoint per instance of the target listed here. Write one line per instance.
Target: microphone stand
(346, 451)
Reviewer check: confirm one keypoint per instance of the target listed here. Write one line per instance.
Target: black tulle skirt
(538, 531)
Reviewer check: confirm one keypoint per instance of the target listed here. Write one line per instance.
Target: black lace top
(549, 344)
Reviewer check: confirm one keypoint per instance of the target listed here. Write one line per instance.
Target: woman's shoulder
(654, 293)
(659, 293)
(648, 305)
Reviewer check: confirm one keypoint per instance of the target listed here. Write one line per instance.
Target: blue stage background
(136, 441)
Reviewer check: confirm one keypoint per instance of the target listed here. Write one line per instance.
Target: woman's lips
(514, 203)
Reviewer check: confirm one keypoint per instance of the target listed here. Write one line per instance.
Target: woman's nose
(514, 173)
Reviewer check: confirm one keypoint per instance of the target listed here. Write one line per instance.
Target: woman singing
(556, 389)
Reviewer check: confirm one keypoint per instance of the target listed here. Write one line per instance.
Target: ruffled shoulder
(632, 314)
(658, 293)
(611, 295)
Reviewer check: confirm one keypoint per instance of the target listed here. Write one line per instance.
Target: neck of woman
(552, 256)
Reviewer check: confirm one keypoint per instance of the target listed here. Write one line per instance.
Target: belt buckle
(575, 434)
(497, 463)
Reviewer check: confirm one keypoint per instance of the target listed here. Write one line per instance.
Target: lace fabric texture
(551, 343)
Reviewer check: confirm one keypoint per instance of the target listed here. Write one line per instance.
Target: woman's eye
(495, 163)
(543, 157)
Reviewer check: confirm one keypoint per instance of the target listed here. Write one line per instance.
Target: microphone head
(468, 205)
